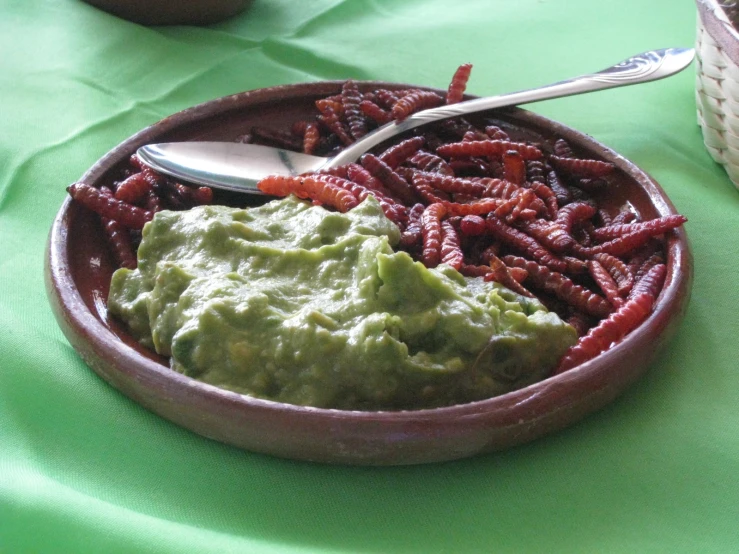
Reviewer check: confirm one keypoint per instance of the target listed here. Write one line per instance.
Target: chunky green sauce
(293, 303)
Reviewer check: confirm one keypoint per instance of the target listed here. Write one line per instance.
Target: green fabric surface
(84, 469)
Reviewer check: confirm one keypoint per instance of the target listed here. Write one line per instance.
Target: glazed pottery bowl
(79, 267)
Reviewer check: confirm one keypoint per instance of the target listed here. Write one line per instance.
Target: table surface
(84, 469)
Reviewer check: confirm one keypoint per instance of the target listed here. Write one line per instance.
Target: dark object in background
(168, 12)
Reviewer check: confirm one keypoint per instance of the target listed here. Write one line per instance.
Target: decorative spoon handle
(648, 66)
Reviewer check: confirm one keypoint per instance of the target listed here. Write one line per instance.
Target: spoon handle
(648, 66)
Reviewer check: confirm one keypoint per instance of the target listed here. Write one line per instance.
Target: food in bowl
(470, 205)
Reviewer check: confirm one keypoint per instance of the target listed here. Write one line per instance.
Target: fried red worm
(396, 155)
(520, 210)
(450, 250)
(514, 167)
(648, 264)
(483, 206)
(152, 202)
(549, 234)
(350, 100)
(413, 231)
(472, 226)
(562, 287)
(502, 274)
(618, 270)
(653, 227)
(455, 93)
(623, 217)
(606, 283)
(651, 283)
(616, 247)
(398, 187)
(332, 105)
(581, 168)
(488, 148)
(431, 163)
(470, 136)
(525, 244)
(414, 102)
(617, 325)
(358, 174)
(569, 215)
(386, 98)
(546, 195)
(639, 256)
(536, 171)
(331, 120)
(563, 149)
(471, 270)
(119, 238)
(314, 187)
(563, 194)
(604, 217)
(134, 188)
(431, 232)
(311, 138)
(469, 166)
(107, 206)
(397, 213)
(425, 191)
(453, 185)
(580, 322)
(496, 133)
(375, 112)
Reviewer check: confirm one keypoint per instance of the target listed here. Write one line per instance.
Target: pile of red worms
(525, 215)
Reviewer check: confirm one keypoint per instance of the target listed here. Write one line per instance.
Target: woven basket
(717, 82)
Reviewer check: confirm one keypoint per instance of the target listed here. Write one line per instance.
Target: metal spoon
(238, 167)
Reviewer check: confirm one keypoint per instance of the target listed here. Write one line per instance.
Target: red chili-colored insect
(581, 168)
(569, 215)
(618, 270)
(612, 329)
(488, 148)
(133, 189)
(311, 138)
(450, 250)
(397, 186)
(431, 230)
(396, 155)
(524, 243)
(606, 283)
(109, 207)
(458, 84)
(501, 274)
(414, 102)
(309, 186)
(375, 112)
(651, 227)
(514, 167)
(330, 119)
(350, 100)
(431, 163)
(562, 287)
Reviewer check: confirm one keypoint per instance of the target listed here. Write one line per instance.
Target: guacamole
(294, 303)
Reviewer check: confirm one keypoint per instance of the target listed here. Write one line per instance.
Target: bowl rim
(94, 340)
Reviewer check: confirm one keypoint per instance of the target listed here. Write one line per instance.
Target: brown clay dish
(78, 270)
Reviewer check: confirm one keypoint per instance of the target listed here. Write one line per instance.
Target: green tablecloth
(84, 469)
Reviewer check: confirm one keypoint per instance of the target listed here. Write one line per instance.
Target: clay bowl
(78, 270)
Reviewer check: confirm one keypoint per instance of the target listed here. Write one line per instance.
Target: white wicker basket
(717, 82)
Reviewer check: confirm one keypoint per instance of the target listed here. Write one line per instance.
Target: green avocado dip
(294, 303)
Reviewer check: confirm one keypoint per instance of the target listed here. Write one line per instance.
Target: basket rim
(717, 24)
